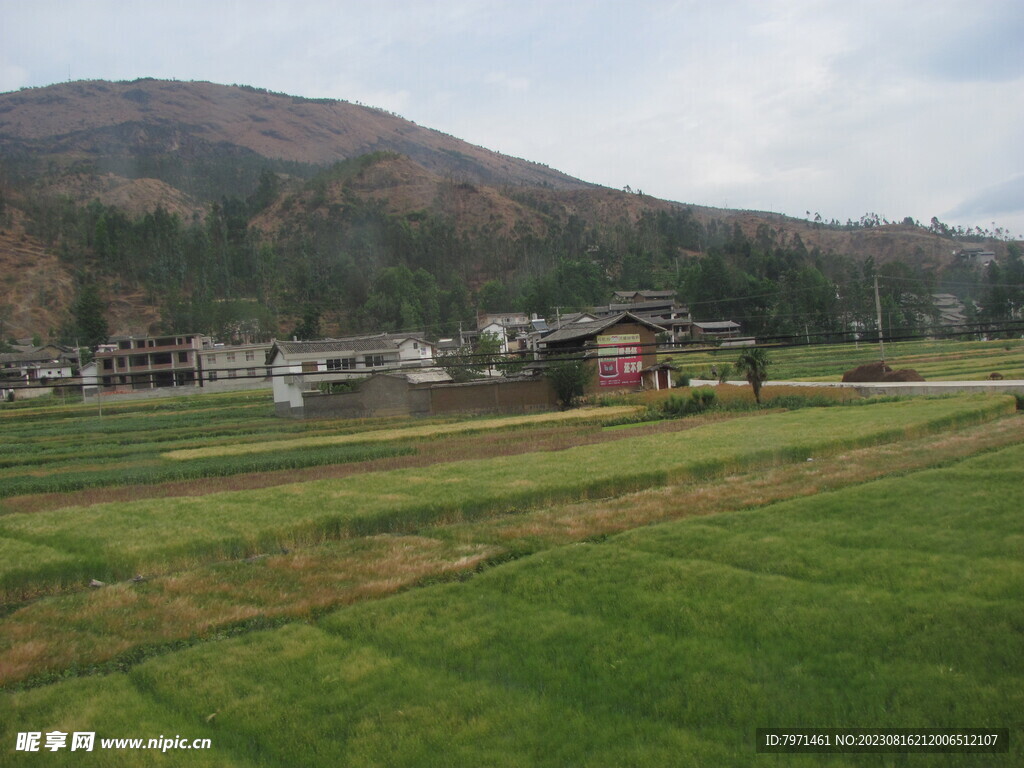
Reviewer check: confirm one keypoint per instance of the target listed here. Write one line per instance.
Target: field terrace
(326, 543)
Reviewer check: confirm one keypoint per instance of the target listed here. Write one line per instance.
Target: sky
(840, 108)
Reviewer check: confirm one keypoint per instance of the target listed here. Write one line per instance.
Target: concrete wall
(394, 396)
(377, 396)
(493, 396)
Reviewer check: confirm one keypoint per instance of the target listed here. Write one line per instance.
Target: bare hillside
(88, 119)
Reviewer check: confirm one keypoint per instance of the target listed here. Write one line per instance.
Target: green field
(897, 602)
(934, 360)
(114, 541)
(509, 592)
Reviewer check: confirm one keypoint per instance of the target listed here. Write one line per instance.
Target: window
(211, 359)
(250, 354)
(183, 357)
(373, 360)
(334, 364)
(231, 357)
(232, 374)
(250, 371)
(213, 376)
(348, 363)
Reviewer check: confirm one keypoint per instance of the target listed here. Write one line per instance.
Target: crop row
(116, 540)
(147, 472)
(581, 415)
(934, 359)
(897, 603)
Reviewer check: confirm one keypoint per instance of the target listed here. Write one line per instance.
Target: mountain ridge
(304, 172)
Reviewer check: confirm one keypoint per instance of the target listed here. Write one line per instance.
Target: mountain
(127, 125)
(186, 198)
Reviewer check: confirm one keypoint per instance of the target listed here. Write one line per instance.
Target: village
(496, 367)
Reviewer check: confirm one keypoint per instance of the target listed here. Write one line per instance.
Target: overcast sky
(832, 106)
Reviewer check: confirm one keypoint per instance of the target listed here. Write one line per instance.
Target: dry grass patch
(456, 447)
(77, 631)
(569, 523)
(409, 433)
(88, 629)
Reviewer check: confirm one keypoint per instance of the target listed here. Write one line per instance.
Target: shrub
(569, 378)
(675, 406)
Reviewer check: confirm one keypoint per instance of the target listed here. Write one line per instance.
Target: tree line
(356, 267)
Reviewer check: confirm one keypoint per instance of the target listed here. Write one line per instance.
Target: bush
(569, 378)
(675, 406)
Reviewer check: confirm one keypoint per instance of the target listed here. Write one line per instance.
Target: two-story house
(298, 366)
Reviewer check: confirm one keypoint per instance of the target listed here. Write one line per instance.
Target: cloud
(893, 106)
(12, 77)
(508, 82)
(1007, 197)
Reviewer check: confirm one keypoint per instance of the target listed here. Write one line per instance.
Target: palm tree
(753, 365)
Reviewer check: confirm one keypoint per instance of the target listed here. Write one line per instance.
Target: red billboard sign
(619, 360)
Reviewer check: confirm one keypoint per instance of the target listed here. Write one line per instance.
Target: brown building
(148, 362)
(621, 346)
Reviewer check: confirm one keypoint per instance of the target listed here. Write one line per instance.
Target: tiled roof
(576, 331)
(718, 325)
(377, 343)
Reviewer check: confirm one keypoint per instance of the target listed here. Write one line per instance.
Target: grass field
(115, 541)
(896, 602)
(547, 591)
(935, 360)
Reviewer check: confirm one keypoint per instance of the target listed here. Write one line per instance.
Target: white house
(238, 366)
(298, 366)
(38, 364)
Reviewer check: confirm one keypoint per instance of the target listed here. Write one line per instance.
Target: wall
(394, 396)
(493, 396)
(377, 396)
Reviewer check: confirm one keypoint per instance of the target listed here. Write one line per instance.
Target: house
(716, 331)
(658, 307)
(511, 328)
(89, 377)
(38, 365)
(505, 319)
(621, 347)
(511, 338)
(132, 363)
(976, 257)
(235, 366)
(636, 297)
(951, 311)
(31, 371)
(299, 366)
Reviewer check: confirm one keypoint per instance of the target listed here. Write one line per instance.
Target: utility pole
(878, 311)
